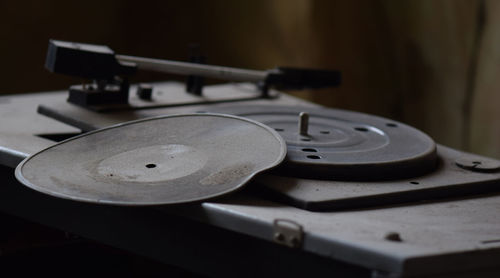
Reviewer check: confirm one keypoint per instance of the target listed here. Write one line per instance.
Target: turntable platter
(163, 160)
(344, 145)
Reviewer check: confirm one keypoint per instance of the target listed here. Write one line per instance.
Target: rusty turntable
(326, 190)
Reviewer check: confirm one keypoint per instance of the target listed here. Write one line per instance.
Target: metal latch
(288, 232)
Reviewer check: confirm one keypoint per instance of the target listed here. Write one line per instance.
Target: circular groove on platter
(163, 160)
(348, 145)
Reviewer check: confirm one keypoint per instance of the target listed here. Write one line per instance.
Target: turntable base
(444, 236)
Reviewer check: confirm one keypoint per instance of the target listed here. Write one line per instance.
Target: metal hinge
(288, 232)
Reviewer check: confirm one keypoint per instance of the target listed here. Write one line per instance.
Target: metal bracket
(288, 232)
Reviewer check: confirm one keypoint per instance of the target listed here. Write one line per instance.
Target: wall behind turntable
(431, 64)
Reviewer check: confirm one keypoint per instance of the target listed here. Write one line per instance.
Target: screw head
(393, 236)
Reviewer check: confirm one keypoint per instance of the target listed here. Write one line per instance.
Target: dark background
(433, 64)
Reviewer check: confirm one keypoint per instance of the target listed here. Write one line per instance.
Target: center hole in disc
(150, 165)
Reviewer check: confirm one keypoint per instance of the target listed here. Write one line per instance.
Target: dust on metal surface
(163, 160)
(447, 180)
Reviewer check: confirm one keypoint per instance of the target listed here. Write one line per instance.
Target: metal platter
(163, 160)
(343, 145)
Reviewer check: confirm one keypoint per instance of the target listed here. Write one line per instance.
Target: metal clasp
(288, 232)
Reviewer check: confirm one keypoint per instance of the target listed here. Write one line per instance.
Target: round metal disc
(163, 160)
(339, 144)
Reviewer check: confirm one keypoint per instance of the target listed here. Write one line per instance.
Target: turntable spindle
(303, 123)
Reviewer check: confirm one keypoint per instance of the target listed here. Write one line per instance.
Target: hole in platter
(363, 129)
(324, 132)
(476, 162)
(305, 139)
(391, 125)
(314, 156)
(310, 150)
(414, 182)
(150, 165)
(279, 129)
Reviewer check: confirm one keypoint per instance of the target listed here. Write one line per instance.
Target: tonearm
(110, 73)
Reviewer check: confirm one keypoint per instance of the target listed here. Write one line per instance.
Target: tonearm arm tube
(185, 68)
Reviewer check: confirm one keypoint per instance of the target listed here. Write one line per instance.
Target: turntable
(341, 191)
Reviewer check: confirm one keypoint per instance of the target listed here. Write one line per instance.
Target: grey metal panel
(20, 123)
(447, 180)
(436, 235)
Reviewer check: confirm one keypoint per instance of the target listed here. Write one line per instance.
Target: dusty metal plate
(344, 145)
(21, 126)
(164, 160)
(447, 181)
